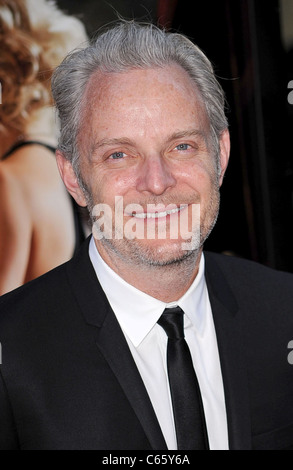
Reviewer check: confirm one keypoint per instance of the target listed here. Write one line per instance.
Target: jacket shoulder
(250, 281)
(240, 267)
(35, 289)
(31, 303)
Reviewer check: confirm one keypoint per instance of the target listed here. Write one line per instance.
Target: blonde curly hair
(34, 38)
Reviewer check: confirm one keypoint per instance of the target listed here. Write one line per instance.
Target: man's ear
(69, 178)
(224, 153)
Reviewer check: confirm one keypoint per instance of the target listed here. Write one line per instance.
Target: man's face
(145, 141)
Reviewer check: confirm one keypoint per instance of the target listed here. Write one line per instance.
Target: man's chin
(174, 260)
(156, 252)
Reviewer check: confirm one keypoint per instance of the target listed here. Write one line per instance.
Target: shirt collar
(138, 312)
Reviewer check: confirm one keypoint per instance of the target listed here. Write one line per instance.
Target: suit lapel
(122, 364)
(111, 342)
(228, 327)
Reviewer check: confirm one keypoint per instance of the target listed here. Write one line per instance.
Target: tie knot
(172, 322)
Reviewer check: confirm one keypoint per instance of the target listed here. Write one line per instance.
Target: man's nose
(155, 176)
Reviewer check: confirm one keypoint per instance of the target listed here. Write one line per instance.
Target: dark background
(250, 45)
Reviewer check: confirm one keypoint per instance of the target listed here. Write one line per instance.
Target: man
(87, 354)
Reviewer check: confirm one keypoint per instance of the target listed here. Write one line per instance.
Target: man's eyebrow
(187, 133)
(109, 142)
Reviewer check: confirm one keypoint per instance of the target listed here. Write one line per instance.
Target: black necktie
(185, 392)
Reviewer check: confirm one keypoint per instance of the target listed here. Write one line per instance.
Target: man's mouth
(158, 215)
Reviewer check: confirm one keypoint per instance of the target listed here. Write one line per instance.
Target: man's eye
(182, 147)
(117, 155)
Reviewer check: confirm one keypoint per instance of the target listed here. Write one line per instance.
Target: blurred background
(250, 43)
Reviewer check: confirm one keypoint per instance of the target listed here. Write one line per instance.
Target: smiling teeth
(157, 215)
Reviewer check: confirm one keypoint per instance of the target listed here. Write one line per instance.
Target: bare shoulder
(11, 190)
(29, 161)
(16, 229)
(33, 169)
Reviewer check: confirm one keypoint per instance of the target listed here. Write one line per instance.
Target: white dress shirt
(137, 314)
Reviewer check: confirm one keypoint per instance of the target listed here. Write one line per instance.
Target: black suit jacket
(68, 379)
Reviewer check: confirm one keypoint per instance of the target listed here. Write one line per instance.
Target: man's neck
(166, 283)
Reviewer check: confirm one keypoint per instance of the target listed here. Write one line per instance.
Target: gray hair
(130, 45)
